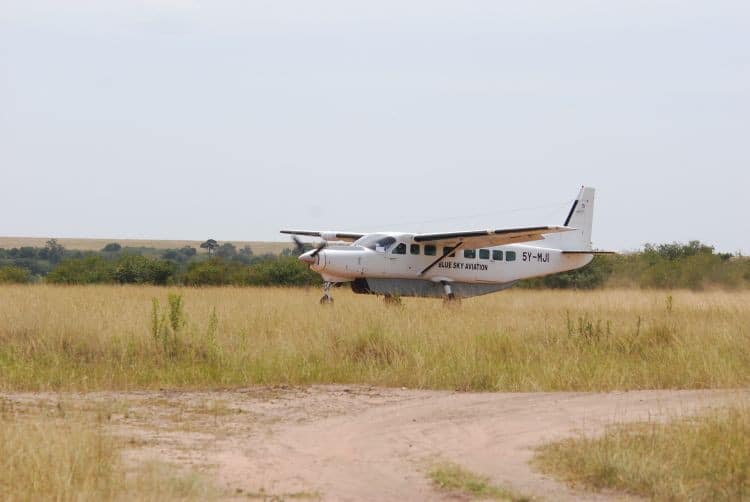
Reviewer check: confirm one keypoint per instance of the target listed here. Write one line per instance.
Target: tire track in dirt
(384, 451)
(364, 443)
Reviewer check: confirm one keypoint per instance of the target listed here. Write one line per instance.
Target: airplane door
(396, 262)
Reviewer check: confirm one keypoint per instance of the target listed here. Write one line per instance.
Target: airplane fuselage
(398, 269)
(453, 264)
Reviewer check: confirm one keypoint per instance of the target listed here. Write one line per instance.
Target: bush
(226, 250)
(130, 269)
(283, 271)
(277, 271)
(594, 275)
(216, 272)
(136, 269)
(14, 275)
(86, 270)
(112, 247)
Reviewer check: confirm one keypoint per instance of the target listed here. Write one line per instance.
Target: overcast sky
(233, 119)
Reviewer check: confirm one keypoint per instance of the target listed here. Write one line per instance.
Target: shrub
(112, 247)
(216, 272)
(282, 271)
(130, 269)
(136, 269)
(14, 275)
(86, 270)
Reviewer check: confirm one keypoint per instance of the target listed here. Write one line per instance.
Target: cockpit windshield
(376, 242)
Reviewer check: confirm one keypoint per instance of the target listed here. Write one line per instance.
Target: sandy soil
(362, 443)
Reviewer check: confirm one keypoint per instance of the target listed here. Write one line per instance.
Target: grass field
(134, 337)
(67, 455)
(700, 458)
(258, 247)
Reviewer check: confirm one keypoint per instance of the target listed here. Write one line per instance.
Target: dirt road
(360, 443)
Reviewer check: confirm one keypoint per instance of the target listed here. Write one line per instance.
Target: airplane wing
(489, 238)
(328, 236)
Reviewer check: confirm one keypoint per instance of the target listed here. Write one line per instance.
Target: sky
(190, 119)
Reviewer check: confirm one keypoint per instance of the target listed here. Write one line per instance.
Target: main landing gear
(392, 300)
(450, 297)
(327, 298)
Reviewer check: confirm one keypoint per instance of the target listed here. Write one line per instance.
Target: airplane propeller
(320, 247)
(300, 246)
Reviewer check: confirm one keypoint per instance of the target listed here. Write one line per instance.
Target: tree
(112, 247)
(226, 250)
(55, 251)
(210, 244)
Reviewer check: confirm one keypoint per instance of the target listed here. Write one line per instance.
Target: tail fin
(580, 217)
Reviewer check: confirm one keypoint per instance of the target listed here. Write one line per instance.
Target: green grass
(116, 337)
(700, 458)
(453, 478)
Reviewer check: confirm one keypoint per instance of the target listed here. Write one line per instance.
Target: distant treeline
(659, 266)
(667, 266)
(225, 265)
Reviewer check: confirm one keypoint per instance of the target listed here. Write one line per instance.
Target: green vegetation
(666, 266)
(702, 458)
(126, 265)
(693, 266)
(451, 477)
(66, 456)
(10, 274)
(113, 337)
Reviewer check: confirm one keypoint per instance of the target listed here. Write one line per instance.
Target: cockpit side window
(376, 242)
(400, 249)
(383, 244)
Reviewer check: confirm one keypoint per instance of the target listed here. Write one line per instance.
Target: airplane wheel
(451, 300)
(392, 300)
(326, 300)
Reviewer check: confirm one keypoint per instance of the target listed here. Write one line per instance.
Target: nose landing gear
(327, 298)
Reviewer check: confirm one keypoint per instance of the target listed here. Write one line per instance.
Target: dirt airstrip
(364, 443)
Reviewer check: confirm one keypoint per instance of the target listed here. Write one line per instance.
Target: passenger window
(510, 256)
(484, 254)
(497, 255)
(470, 253)
(448, 249)
(414, 249)
(400, 249)
(430, 250)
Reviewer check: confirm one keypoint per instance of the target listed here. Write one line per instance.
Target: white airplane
(451, 265)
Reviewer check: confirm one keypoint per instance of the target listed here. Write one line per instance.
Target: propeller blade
(319, 248)
(298, 244)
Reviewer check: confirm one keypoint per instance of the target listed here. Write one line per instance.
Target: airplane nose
(308, 258)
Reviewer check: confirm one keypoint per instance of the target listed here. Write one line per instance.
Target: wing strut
(442, 257)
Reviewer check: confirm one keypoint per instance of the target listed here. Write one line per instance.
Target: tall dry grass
(114, 337)
(65, 456)
(699, 458)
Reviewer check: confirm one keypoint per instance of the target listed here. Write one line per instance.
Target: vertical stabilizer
(580, 217)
